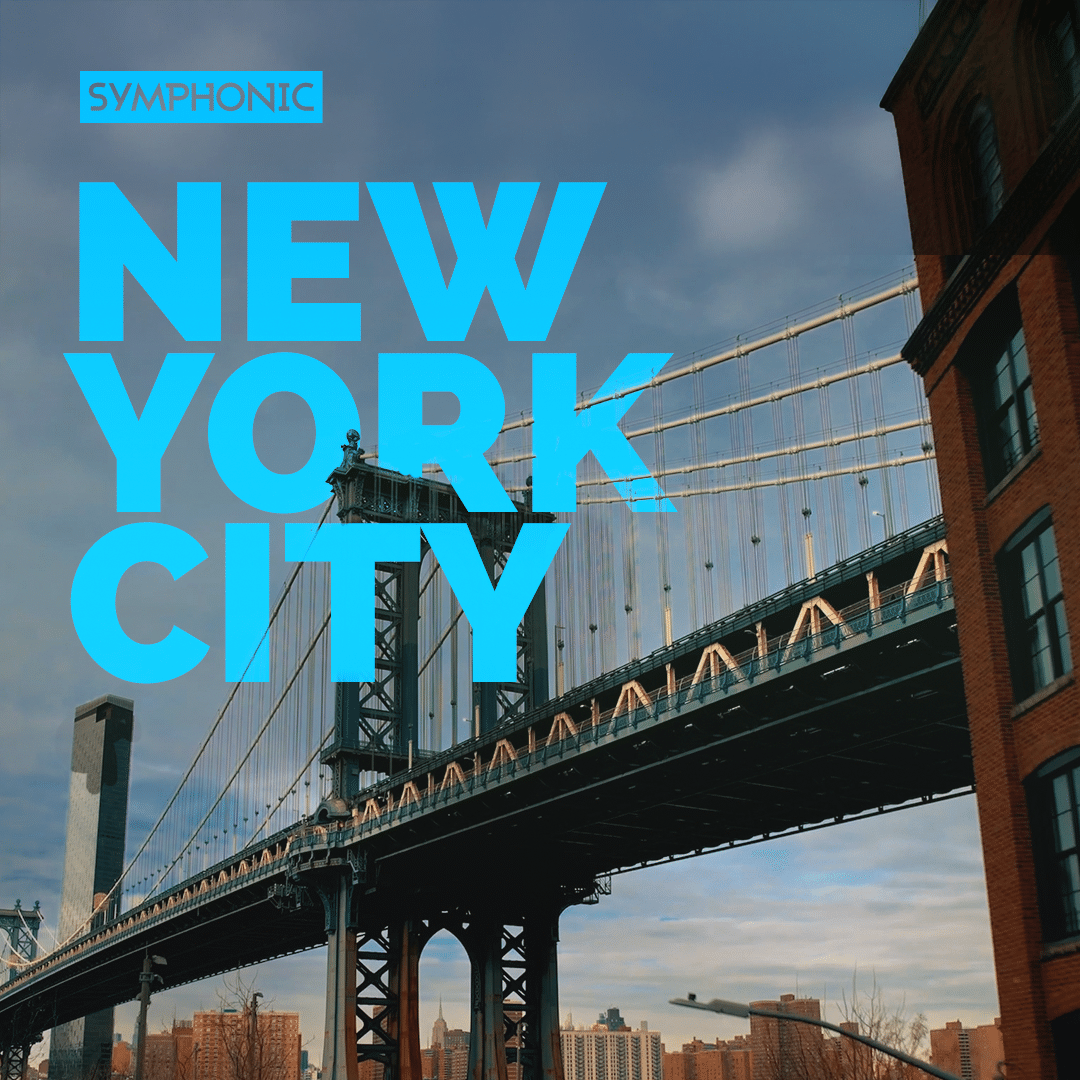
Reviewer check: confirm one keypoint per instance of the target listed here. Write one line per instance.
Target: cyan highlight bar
(200, 97)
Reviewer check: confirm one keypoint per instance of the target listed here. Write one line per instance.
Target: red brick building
(231, 1047)
(724, 1059)
(987, 112)
(169, 1053)
(968, 1052)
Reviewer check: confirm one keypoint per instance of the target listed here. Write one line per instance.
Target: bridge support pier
(373, 991)
(407, 939)
(515, 1000)
(487, 1045)
(13, 1062)
(339, 1038)
(542, 949)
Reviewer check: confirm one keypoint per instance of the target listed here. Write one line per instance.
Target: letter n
(113, 236)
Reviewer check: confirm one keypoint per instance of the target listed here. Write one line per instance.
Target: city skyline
(957, 1046)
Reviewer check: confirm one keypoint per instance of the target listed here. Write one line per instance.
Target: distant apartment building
(784, 1050)
(236, 1045)
(448, 1062)
(93, 862)
(724, 1059)
(612, 1051)
(970, 1053)
(123, 1059)
(781, 1049)
(611, 1020)
(168, 1053)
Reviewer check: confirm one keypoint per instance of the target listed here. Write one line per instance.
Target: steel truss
(377, 723)
(372, 1004)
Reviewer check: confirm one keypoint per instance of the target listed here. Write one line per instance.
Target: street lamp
(737, 1008)
(146, 978)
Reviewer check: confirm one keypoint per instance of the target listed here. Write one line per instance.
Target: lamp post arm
(732, 1008)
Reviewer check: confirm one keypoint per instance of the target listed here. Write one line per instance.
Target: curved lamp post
(146, 980)
(737, 1008)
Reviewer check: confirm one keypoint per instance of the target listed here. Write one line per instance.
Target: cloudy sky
(750, 173)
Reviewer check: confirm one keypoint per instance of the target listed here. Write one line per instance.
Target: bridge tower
(22, 929)
(372, 989)
(376, 723)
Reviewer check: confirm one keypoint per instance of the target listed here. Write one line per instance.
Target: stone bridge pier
(373, 984)
(13, 1061)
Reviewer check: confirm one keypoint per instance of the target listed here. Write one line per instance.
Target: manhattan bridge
(779, 655)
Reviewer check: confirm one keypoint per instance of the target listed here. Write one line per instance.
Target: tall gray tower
(93, 862)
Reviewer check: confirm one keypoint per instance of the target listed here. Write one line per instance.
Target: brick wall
(968, 50)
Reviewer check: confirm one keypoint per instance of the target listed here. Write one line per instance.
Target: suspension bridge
(778, 656)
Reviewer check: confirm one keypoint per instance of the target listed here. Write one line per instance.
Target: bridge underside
(885, 724)
(848, 732)
(866, 719)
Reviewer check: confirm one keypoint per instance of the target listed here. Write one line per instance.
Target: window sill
(1013, 473)
(1049, 690)
(1065, 947)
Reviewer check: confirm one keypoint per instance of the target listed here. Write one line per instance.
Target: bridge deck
(692, 747)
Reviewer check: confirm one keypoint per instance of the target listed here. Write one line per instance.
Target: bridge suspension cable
(782, 451)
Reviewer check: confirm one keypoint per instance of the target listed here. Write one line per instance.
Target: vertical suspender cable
(716, 572)
(847, 325)
(662, 559)
(783, 498)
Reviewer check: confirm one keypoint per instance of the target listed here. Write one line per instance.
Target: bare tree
(887, 1024)
(791, 1050)
(250, 1045)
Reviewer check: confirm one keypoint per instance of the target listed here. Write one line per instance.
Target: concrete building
(987, 113)
(447, 1058)
(123, 1060)
(439, 1028)
(971, 1053)
(724, 1059)
(231, 1044)
(169, 1054)
(603, 1054)
(93, 862)
(447, 1062)
(786, 1050)
(611, 1020)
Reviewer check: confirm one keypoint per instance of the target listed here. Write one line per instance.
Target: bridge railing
(473, 765)
(243, 870)
(509, 751)
(858, 618)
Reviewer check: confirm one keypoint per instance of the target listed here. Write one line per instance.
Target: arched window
(988, 184)
(1063, 33)
(1048, 50)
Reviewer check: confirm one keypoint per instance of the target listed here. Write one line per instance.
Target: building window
(1034, 607)
(1012, 428)
(995, 358)
(988, 184)
(1054, 808)
(1064, 45)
